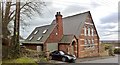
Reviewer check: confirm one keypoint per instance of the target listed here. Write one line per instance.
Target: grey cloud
(94, 4)
(107, 26)
(74, 8)
(112, 18)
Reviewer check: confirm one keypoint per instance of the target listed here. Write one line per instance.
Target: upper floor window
(45, 31)
(39, 38)
(30, 38)
(92, 31)
(85, 30)
(88, 31)
(36, 32)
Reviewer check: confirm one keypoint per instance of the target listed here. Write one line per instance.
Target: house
(74, 34)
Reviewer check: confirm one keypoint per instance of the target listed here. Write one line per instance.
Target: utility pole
(16, 27)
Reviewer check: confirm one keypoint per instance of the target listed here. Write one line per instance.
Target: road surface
(107, 60)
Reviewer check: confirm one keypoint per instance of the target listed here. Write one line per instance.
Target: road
(94, 60)
(107, 60)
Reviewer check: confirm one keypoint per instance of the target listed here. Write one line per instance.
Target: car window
(55, 52)
(62, 53)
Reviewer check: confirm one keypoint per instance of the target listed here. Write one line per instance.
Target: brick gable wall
(83, 50)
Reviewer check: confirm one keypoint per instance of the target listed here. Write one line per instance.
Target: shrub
(117, 51)
(20, 61)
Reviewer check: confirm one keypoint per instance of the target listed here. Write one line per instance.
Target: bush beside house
(117, 51)
(106, 50)
(26, 56)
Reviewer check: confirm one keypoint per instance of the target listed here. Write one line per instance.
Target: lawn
(20, 61)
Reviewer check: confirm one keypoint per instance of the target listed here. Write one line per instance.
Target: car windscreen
(62, 53)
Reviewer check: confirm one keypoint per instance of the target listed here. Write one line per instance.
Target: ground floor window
(39, 48)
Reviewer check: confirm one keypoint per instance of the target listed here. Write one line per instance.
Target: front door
(74, 48)
(39, 48)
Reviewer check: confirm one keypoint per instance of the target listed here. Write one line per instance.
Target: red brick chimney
(59, 24)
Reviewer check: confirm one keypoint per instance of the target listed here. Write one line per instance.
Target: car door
(56, 55)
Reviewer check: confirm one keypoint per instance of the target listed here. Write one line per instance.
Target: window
(85, 31)
(92, 43)
(56, 33)
(85, 41)
(92, 32)
(39, 38)
(88, 43)
(36, 32)
(45, 31)
(31, 38)
(39, 48)
(88, 31)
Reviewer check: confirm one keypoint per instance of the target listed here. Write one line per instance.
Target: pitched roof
(72, 24)
(67, 39)
(40, 34)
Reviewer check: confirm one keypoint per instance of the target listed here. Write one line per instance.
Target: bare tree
(10, 14)
(27, 9)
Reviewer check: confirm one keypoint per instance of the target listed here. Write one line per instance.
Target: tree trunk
(16, 30)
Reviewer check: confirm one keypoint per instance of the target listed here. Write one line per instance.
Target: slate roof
(73, 24)
(40, 33)
(67, 39)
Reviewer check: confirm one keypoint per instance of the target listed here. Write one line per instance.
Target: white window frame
(56, 33)
(39, 48)
(36, 32)
(39, 38)
(88, 31)
(89, 42)
(92, 31)
(45, 31)
(85, 31)
(30, 38)
(92, 42)
(85, 41)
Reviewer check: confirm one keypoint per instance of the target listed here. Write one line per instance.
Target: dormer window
(39, 38)
(36, 32)
(45, 31)
(31, 38)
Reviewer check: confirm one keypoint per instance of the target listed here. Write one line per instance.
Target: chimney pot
(59, 13)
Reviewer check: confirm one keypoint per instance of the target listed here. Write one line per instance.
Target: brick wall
(32, 46)
(83, 50)
(57, 33)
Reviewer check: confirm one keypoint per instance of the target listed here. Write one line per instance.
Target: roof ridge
(73, 15)
(45, 25)
(76, 14)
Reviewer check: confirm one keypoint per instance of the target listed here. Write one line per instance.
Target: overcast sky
(104, 14)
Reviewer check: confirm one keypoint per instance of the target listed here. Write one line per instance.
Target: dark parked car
(61, 55)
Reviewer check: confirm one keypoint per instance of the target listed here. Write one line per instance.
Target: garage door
(52, 46)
